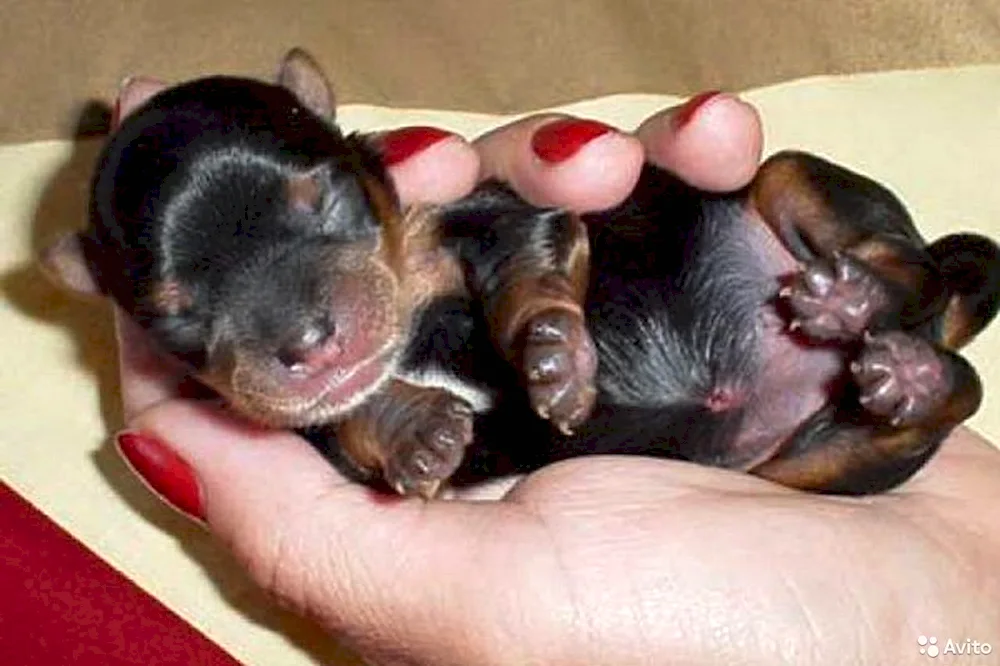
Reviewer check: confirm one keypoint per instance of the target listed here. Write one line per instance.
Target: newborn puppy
(256, 243)
(800, 329)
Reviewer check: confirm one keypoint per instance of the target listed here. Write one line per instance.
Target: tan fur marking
(783, 196)
(821, 466)
(892, 263)
(411, 249)
(578, 263)
(429, 270)
(303, 192)
(393, 246)
(356, 436)
(958, 326)
(171, 298)
(530, 289)
(528, 297)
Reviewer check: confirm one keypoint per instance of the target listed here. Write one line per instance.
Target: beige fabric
(495, 57)
(931, 136)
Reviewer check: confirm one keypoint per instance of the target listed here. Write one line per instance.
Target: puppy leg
(867, 277)
(530, 269)
(414, 435)
(865, 267)
(855, 450)
(537, 319)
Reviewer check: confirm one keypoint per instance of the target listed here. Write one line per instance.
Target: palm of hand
(675, 560)
(622, 560)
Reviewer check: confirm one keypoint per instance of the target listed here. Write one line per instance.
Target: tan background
(502, 56)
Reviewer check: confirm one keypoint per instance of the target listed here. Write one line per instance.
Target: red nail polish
(402, 144)
(560, 140)
(116, 114)
(166, 473)
(684, 114)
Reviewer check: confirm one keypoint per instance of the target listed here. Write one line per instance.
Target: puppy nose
(311, 347)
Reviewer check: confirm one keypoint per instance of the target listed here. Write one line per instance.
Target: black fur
(694, 360)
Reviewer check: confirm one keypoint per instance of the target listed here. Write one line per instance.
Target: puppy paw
(429, 450)
(559, 362)
(835, 299)
(902, 378)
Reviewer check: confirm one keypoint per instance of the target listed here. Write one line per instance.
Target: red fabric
(61, 604)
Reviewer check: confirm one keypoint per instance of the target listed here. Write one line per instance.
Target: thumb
(379, 571)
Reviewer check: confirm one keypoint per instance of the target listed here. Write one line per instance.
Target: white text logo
(931, 647)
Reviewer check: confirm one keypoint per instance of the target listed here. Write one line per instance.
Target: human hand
(600, 560)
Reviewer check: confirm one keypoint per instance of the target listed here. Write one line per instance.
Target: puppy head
(304, 326)
(267, 252)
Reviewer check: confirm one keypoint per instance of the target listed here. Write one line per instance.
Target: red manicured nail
(166, 473)
(683, 115)
(402, 144)
(116, 114)
(560, 140)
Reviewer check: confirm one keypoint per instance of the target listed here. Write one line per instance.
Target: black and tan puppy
(800, 329)
(236, 224)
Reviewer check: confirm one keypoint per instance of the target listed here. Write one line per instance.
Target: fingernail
(560, 140)
(686, 113)
(402, 144)
(164, 472)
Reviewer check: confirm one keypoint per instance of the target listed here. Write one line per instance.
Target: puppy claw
(902, 378)
(545, 331)
(460, 408)
(431, 446)
(836, 298)
(425, 491)
(559, 363)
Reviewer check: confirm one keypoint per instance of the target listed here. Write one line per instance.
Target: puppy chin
(326, 399)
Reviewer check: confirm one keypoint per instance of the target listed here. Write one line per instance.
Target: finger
(147, 376)
(561, 161)
(332, 549)
(713, 142)
(427, 164)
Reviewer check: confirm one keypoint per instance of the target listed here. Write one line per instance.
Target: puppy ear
(133, 93)
(300, 74)
(64, 263)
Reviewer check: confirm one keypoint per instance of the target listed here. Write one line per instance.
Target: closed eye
(185, 336)
(344, 212)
